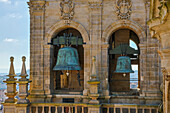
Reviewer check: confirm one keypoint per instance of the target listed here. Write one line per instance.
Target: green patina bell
(67, 59)
(124, 65)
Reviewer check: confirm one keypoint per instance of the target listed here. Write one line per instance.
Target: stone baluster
(69, 110)
(136, 110)
(82, 109)
(36, 109)
(143, 110)
(11, 84)
(49, 111)
(107, 109)
(42, 109)
(121, 110)
(56, 110)
(75, 109)
(128, 110)
(62, 109)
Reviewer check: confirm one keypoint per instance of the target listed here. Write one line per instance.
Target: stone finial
(94, 82)
(11, 71)
(93, 77)
(23, 84)
(94, 65)
(11, 84)
(23, 71)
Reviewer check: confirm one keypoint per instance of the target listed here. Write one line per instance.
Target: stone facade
(96, 22)
(159, 27)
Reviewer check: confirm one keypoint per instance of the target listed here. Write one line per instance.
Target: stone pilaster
(104, 73)
(95, 27)
(37, 22)
(143, 68)
(87, 68)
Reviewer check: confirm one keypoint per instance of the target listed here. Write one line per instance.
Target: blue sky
(14, 33)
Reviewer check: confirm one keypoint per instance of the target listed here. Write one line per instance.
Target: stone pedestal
(94, 109)
(9, 108)
(22, 108)
(94, 82)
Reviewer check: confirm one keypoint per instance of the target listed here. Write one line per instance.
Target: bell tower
(75, 47)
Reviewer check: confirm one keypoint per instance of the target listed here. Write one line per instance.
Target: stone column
(9, 104)
(37, 27)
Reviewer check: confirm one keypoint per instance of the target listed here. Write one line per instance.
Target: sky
(14, 34)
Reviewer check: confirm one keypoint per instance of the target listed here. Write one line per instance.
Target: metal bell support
(123, 65)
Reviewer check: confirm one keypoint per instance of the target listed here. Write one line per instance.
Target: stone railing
(83, 108)
(129, 108)
(58, 108)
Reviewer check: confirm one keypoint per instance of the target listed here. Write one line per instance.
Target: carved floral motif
(67, 9)
(123, 9)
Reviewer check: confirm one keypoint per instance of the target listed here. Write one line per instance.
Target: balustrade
(83, 108)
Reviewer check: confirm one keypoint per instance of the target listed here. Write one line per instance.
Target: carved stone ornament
(95, 5)
(165, 74)
(36, 6)
(123, 9)
(67, 9)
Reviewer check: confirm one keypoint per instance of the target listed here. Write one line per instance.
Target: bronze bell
(67, 59)
(124, 65)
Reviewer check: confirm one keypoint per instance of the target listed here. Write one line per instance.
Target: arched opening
(62, 81)
(118, 82)
(134, 77)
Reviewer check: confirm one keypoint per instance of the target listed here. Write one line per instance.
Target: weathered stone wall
(96, 20)
(159, 25)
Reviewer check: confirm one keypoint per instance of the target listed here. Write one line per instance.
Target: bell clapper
(124, 74)
(78, 77)
(67, 73)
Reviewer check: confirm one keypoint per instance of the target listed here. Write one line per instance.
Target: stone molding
(123, 9)
(139, 30)
(95, 5)
(60, 25)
